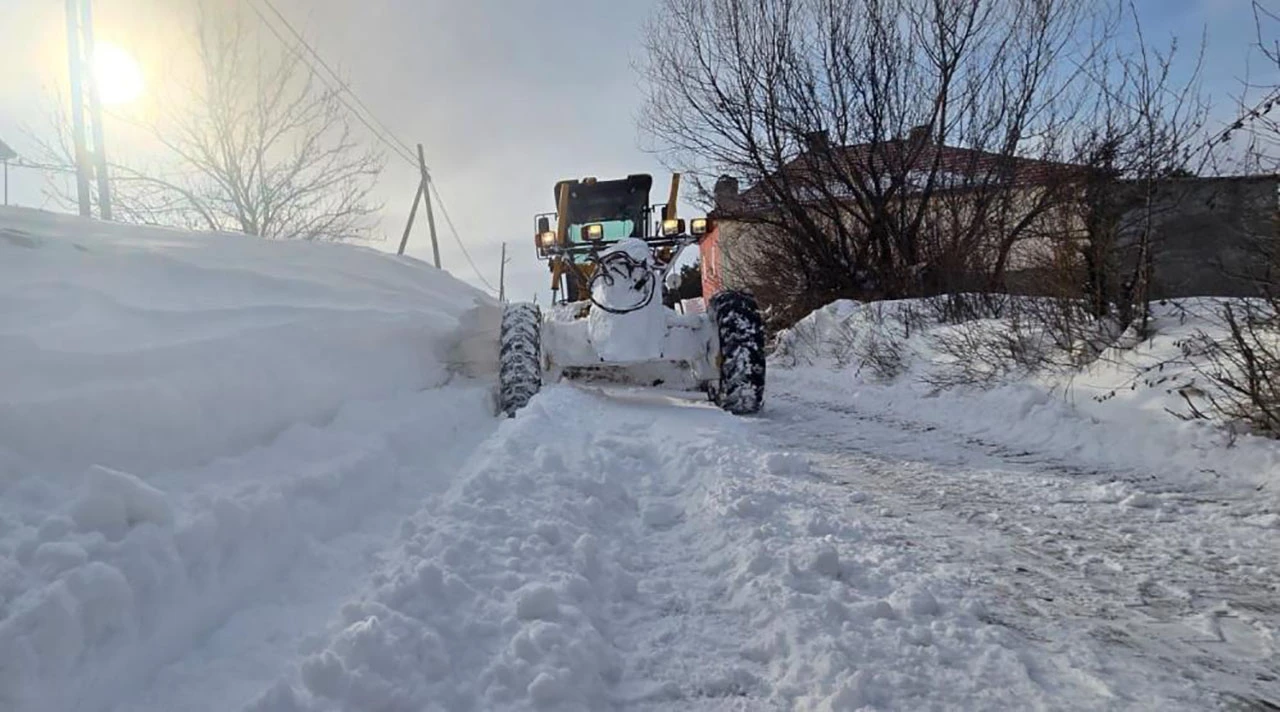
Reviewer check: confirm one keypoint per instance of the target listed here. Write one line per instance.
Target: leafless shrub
(1242, 368)
(1240, 360)
(883, 354)
(985, 353)
(958, 308)
(843, 343)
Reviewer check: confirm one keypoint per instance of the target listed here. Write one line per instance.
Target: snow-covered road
(1126, 593)
(630, 550)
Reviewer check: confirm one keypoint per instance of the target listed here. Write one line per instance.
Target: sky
(506, 96)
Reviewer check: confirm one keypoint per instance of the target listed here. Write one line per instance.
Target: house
(902, 170)
(1208, 235)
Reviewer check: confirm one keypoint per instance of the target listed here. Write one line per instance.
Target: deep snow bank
(182, 415)
(143, 348)
(1117, 414)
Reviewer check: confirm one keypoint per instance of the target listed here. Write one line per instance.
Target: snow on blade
(628, 284)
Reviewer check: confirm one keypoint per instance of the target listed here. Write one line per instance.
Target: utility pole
(502, 275)
(431, 218)
(413, 213)
(6, 154)
(76, 66)
(95, 114)
(424, 194)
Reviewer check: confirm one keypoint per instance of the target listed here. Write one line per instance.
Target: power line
(346, 87)
(454, 231)
(382, 133)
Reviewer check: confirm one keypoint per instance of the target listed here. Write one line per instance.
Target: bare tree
(260, 146)
(1143, 130)
(1240, 360)
(837, 112)
(1255, 131)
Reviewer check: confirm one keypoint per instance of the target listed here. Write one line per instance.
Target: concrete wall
(1212, 236)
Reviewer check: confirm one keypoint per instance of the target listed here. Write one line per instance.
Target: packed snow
(655, 560)
(1119, 412)
(269, 477)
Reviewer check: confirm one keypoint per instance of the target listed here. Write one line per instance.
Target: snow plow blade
(677, 375)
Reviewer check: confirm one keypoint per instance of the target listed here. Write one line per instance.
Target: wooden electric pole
(76, 66)
(413, 213)
(423, 194)
(6, 154)
(502, 275)
(431, 217)
(95, 114)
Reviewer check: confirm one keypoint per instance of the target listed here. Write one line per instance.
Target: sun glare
(118, 75)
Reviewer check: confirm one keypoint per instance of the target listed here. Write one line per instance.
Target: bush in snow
(1241, 363)
(1017, 337)
(985, 352)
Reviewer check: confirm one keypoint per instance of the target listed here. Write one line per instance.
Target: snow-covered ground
(289, 501)
(1118, 413)
(660, 554)
(188, 420)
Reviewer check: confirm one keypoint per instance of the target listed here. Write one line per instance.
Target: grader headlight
(593, 232)
(698, 227)
(672, 226)
(544, 241)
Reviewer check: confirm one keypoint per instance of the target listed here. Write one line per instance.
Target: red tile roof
(899, 156)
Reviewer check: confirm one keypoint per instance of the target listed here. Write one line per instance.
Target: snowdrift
(141, 349)
(1116, 414)
(182, 415)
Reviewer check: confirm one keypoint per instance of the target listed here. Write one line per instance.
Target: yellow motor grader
(610, 251)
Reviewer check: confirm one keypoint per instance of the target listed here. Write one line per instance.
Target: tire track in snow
(1071, 555)
(605, 552)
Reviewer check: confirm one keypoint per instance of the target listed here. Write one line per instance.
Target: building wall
(734, 251)
(727, 253)
(1212, 237)
(709, 249)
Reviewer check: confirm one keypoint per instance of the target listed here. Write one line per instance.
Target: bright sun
(118, 75)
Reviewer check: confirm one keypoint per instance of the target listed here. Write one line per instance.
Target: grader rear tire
(520, 357)
(742, 358)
